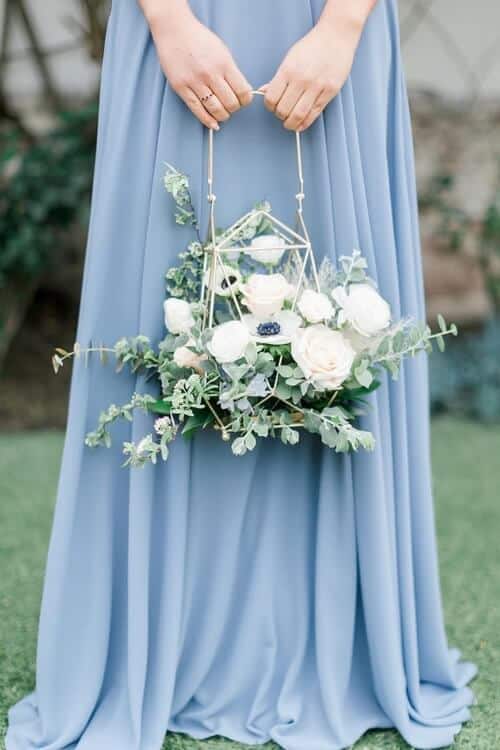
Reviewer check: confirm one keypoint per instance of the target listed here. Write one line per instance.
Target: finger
(225, 95)
(302, 108)
(239, 85)
(274, 90)
(319, 105)
(211, 103)
(288, 101)
(193, 102)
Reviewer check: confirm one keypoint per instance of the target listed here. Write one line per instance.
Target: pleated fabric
(291, 594)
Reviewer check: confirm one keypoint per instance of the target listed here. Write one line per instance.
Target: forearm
(348, 14)
(154, 9)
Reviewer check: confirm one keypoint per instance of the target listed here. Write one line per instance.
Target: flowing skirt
(291, 594)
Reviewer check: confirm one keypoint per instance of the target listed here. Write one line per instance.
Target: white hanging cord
(211, 195)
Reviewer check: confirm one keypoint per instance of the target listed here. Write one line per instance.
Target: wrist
(348, 15)
(161, 12)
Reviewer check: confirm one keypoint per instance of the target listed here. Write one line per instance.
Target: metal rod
(298, 148)
(302, 242)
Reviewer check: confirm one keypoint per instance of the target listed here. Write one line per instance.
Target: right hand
(198, 66)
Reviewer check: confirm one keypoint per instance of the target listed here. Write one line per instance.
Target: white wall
(58, 24)
(450, 46)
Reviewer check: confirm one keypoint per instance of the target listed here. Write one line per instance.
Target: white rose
(231, 253)
(324, 356)
(315, 306)
(186, 357)
(229, 341)
(178, 315)
(366, 311)
(268, 248)
(264, 294)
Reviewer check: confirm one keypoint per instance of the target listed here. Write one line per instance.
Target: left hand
(312, 74)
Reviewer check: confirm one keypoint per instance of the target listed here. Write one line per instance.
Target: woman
(288, 594)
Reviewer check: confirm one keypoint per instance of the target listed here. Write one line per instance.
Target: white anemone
(287, 321)
(226, 280)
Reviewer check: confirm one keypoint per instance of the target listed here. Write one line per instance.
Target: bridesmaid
(290, 595)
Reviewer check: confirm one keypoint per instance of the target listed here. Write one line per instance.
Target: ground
(467, 480)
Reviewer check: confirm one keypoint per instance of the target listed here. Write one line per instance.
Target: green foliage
(466, 380)
(455, 225)
(177, 184)
(184, 279)
(45, 189)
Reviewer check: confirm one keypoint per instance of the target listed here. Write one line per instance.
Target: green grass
(467, 487)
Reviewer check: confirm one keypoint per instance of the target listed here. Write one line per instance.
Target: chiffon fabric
(291, 594)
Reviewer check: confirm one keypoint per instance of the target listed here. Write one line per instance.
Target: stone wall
(463, 143)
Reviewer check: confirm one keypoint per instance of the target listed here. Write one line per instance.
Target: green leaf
(353, 392)
(329, 436)
(312, 422)
(363, 376)
(239, 447)
(200, 419)
(251, 353)
(293, 436)
(286, 371)
(160, 407)
(441, 322)
(283, 390)
(261, 429)
(265, 364)
(250, 441)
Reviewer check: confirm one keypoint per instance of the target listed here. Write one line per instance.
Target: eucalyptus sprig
(177, 184)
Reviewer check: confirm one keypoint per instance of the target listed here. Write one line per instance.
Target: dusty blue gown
(292, 593)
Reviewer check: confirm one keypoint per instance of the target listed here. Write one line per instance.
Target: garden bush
(465, 379)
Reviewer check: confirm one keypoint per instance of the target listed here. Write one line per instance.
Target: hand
(312, 74)
(198, 66)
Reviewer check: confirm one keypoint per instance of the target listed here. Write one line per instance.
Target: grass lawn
(467, 488)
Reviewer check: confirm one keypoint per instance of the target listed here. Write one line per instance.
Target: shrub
(44, 189)
(465, 380)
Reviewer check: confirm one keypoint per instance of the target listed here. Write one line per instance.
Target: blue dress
(291, 594)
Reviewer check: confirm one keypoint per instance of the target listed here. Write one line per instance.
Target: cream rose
(363, 307)
(268, 248)
(324, 356)
(264, 294)
(186, 357)
(178, 315)
(315, 306)
(229, 341)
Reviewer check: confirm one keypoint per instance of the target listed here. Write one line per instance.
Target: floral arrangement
(287, 352)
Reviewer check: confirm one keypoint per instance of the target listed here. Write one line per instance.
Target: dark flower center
(272, 328)
(229, 281)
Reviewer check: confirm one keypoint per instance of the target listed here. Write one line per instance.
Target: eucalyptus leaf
(199, 420)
